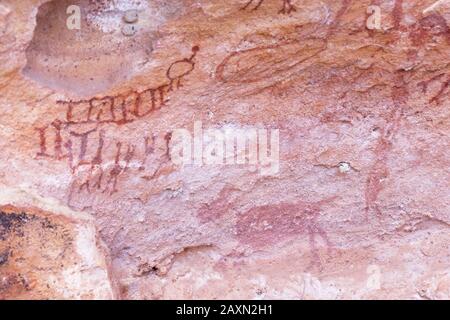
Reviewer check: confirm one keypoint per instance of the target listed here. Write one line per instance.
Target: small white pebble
(128, 30)
(344, 167)
(131, 16)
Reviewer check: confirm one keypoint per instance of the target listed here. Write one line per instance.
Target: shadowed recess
(98, 55)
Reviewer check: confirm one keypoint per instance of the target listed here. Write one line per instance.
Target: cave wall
(358, 203)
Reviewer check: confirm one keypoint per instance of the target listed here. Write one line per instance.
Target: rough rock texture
(51, 255)
(360, 207)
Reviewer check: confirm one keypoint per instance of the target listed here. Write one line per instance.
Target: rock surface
(49, 255)
(360, 205)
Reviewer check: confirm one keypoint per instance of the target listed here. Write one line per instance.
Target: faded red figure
(288, 7)
(180, 69)
(269, 224)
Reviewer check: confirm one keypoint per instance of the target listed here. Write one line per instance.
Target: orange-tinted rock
(358, 209)
(50, 255)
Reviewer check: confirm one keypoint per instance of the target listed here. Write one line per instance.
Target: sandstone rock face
(49, 255)
(355, 205)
